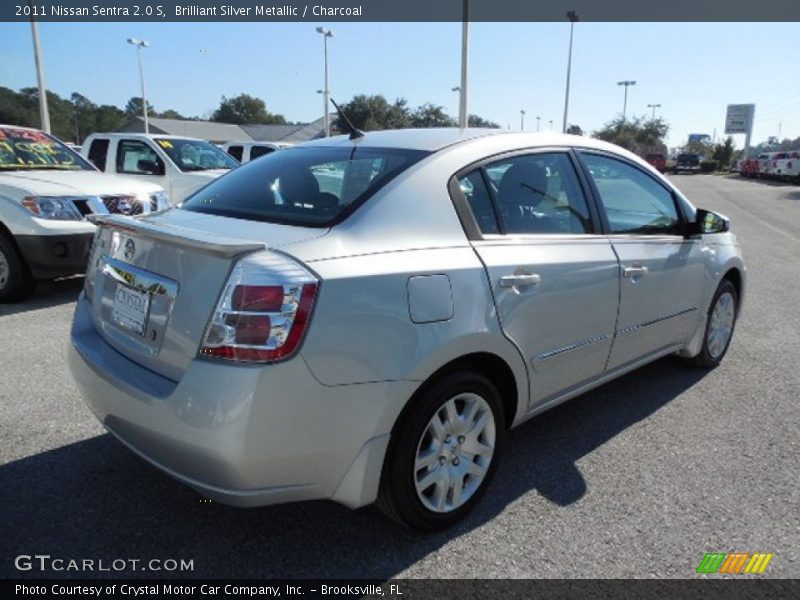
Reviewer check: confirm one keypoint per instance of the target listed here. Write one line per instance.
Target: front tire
(720, 324)
(16, 282)
(443, 453)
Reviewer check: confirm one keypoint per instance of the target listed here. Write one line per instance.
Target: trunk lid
(154, 281)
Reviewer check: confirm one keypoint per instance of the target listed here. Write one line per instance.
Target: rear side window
(257, 151)
(98, 152)
(480, 201)
(236, 152)
(313, 186)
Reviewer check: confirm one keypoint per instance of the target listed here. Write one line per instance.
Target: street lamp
(521, 120)
(654, 107)
(573, 17)
(551, 124)
(627, 83)
(326, 33)
(139, 45)
(537, 123)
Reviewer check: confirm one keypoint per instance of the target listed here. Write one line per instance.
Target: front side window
(32, 150)
(634, 202)
(539, 194)
(196, 155)
(303, 186)
(137, 158)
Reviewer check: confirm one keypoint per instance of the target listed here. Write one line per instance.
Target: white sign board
(739, 118)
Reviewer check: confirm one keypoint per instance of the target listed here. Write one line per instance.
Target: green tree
(431, 115)
(133, 107)
(171, 114)
(723, 153)
(371, 113)
(478, 121)
(640, 135)
(245, 109)
(574, 130)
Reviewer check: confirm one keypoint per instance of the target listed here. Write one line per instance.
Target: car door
(662, 270)
(137, 158)
(553, 277)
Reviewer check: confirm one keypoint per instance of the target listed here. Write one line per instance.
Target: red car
(658, 161)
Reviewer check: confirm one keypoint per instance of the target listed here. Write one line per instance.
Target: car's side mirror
(151, 167)
(708, 221)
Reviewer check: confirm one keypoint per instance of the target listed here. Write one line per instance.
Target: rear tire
(720, 324)
(443, 453)
(16, 282)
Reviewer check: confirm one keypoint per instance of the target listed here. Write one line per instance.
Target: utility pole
(573, 17)
(44, 111)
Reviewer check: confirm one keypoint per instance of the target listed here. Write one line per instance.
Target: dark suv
(687, 163)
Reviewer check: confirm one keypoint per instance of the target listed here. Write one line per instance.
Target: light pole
(537, 123)
(573, 17)
(551, 124)
(521, 120)
(627, 83)
(44, 112)
(326, 33)
(139, 45)
(654, 107)
(462, 99)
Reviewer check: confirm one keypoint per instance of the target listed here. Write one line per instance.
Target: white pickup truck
(247, 151)
(46, 193)
(180, 165)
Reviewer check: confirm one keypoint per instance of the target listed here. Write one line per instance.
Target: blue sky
(693, 69)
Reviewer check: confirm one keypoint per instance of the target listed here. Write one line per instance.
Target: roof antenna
(354, 133)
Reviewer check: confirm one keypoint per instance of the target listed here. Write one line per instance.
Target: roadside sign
(739, 118)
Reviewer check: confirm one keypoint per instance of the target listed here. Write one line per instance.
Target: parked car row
(783, 166)
(49, 188)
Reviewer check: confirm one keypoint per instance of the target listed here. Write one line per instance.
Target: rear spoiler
(179, 236)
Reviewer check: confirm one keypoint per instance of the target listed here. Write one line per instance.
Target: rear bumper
(52, 256)
(241, 435)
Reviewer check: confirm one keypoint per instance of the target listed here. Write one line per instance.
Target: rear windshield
(312, 186)
(690, 158)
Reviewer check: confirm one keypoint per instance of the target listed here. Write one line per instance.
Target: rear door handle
(519, 280)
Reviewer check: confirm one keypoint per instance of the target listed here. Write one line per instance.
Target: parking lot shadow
(47, 294)
(95, 499)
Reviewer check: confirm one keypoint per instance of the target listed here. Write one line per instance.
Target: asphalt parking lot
(639, 478)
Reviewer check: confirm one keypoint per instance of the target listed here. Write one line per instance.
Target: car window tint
(539, 194)
(480, 201)
(634, 201)
(236, 152)
(98, 151)
(303, 186)
(257, 151)
(133, 156)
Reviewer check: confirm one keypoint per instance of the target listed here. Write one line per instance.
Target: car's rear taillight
(263, 312)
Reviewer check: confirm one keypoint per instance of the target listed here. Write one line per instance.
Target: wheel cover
(454, 453)
(720, 328)
(5, 271)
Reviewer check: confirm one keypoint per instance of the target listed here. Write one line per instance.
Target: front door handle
(520, 280)
(634, 272)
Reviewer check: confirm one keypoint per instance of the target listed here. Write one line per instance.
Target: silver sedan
(364, 319)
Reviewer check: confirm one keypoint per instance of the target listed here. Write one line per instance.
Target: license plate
(131, 308)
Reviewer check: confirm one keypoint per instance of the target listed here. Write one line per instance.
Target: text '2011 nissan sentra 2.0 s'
(364, 319)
